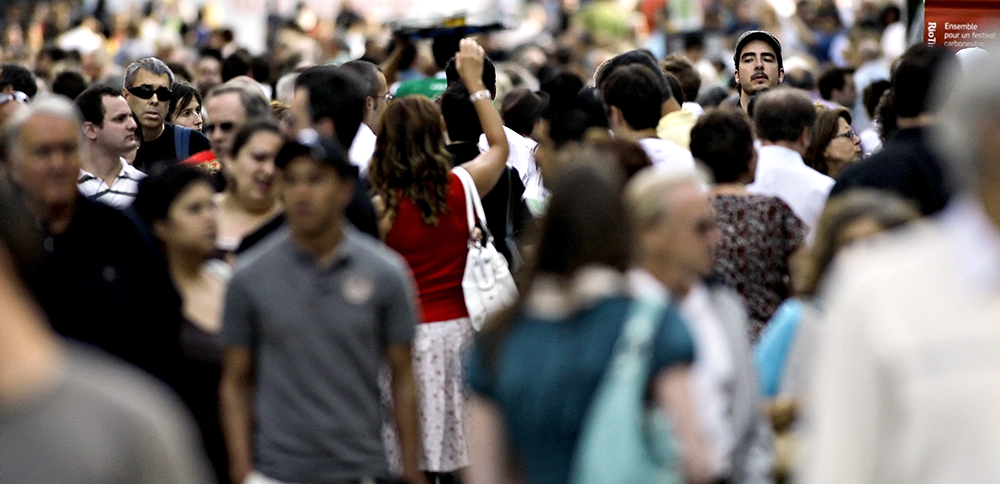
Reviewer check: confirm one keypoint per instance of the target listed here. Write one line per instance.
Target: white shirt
(782, 173)
(870, 139)
(362, 148)
(908, 370)
(667, 155)
(122, 191)
(713, 371)
(694, 108)
(521, 156)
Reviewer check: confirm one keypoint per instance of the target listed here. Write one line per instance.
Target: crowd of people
(216, 267)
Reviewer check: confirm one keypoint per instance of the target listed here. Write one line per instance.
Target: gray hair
(152, 65)
(50, 104)
(284, 91)
(254, 102)
(644, 192)
(967, 95)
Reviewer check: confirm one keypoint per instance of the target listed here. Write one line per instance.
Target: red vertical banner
(960, 24)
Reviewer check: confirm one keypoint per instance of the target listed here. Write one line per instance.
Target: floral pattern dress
(758, 235)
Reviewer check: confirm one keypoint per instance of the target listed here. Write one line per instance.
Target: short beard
(758, 91)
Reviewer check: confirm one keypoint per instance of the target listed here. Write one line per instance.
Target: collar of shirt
(976, 241)
(694, 107)
(779, 154)
(343, 253)
(362, 148)
(642, 284)
(127, 171)
(552, 298)
(679, 117)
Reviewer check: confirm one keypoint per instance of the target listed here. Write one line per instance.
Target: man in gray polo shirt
(308, 325)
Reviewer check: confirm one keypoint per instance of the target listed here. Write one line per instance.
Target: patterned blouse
(758, 235)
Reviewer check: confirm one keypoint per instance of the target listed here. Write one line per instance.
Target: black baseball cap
(326, 152)
(752, 35)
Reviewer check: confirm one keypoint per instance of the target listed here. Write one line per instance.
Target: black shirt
(110, 288)
(505, 211)
(905, 166)
(155, 155)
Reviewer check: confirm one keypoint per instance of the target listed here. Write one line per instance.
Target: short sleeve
(400, 317)
(239, 321)
(772, 349)
(673, 345)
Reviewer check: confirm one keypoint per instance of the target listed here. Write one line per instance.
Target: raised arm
(487, 167)
(390, 66)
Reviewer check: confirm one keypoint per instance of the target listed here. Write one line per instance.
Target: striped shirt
(122, 191)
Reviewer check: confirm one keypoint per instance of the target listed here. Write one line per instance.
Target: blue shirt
(547, 371)
(771, 352)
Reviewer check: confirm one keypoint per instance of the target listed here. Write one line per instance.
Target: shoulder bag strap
(638, 332)
(182, 142)
(186, 143)
(179, 143)
(470, 194)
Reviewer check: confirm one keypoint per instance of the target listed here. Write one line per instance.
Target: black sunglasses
(225, 127)
(146, 92)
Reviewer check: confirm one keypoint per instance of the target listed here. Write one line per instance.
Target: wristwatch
(479, 96)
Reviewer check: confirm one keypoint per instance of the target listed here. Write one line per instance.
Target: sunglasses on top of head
(146, 92)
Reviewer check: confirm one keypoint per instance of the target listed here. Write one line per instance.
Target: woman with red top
(422, 216)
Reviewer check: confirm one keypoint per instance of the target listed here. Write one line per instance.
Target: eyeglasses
(849, 135)
(389, 97)
(224, 127)
(146, 92)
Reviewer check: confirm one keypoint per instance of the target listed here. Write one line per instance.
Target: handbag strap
(473, 204)
(637, 333)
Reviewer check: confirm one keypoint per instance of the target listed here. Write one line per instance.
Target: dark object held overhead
(460, 24)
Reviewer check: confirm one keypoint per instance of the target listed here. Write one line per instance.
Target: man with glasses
(678, 232)
(147, 90)
(227, 108)
(378, 96)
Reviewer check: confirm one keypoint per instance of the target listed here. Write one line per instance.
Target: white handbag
(487, 283)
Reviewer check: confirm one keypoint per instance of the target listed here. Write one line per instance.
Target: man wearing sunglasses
(227, 108)
(147, 90)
